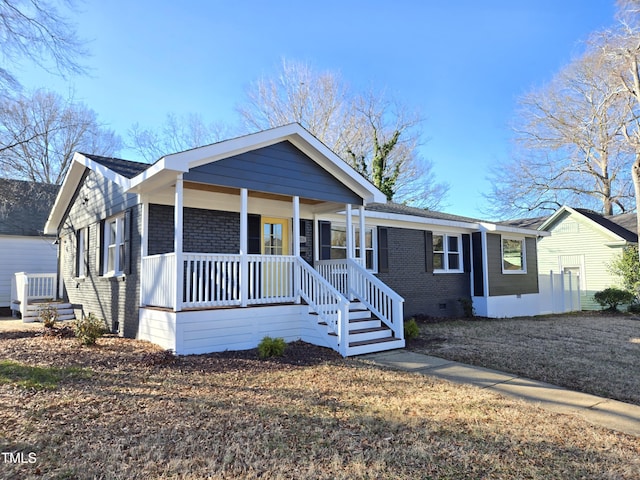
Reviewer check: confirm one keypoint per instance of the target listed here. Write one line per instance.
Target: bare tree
(569, 146)
(35, 30)
(39, 134)
(377, 136)
(175, 135)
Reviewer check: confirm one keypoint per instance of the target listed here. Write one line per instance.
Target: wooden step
(371, 346)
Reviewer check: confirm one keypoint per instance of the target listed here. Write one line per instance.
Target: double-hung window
(114, 246)
(339, 244)
(513, 255)
(447, 253)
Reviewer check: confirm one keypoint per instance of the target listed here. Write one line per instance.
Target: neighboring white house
(584, 243)
(24, 208)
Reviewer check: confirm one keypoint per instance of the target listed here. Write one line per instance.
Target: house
(272, 234)
(584, 243)
(24, 208)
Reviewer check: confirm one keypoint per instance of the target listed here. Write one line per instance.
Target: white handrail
(354, 281)
(326, 301)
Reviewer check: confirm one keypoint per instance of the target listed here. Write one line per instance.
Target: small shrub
(634, 308)
(88, 329)
(612, 297)
(467, 307)
(411, 329)
(271, 347)
(48, 315)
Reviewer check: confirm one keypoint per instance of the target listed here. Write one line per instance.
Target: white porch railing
(331, 306)
(214, 280)
(26, 287)
(158, 280)
(351, 279)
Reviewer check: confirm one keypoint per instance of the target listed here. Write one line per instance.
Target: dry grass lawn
(594, 353)
(118, 411)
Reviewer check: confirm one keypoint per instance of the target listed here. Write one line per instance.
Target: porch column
(296, 246)
(363, 256)
(350, 249)
(244, 247)
(296, 226)
(177, 243)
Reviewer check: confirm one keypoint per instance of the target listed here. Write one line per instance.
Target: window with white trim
(114, 246)
(514, 255)
(339, 244)
(447, 253)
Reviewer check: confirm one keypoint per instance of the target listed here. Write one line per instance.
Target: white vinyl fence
(559, 293)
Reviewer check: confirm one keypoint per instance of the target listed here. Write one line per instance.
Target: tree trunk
(635, 175)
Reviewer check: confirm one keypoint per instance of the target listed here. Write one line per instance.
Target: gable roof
(622, 226)
(25, 206)
(125, 168)
(138, 178)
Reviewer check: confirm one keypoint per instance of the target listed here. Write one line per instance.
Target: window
(446, 253)
(513, 255)
(82, 253)
(114, 246)
(339, 244)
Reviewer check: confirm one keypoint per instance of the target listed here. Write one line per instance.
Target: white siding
(578, 242)
(217, 330)
(24, 254)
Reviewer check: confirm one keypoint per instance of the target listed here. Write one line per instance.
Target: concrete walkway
(619, 416)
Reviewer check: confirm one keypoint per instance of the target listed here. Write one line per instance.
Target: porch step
(377, 345)
(65, 311)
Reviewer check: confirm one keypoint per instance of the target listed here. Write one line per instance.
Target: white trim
(177, 241)
(523, 244)
(349, 232)
(117, 270)
(618, 240)
(446, 253)
(244, 246)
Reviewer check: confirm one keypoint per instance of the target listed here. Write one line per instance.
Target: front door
(276, 275)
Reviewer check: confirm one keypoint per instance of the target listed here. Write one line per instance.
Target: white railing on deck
(158, 280)
(354, 281)
(324, 299)
(214, 280)
(211, 280)
(32, 286)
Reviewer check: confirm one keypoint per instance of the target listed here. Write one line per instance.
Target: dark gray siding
(279, 168)
(425, 293)
(115, 300)
(511, 284)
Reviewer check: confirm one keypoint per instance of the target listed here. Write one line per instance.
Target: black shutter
(383, 249)
(76, 272)
(86, 251)
(126, 268)
(254, 242)
(466, 252)
(325, 239)
(428, 252)
(99, 247)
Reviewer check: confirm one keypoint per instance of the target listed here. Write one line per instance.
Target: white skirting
(217, 330)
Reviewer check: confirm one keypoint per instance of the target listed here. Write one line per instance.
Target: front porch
(244, 221)
(231, 302)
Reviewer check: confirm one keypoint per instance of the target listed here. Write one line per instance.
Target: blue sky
(462, 64)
